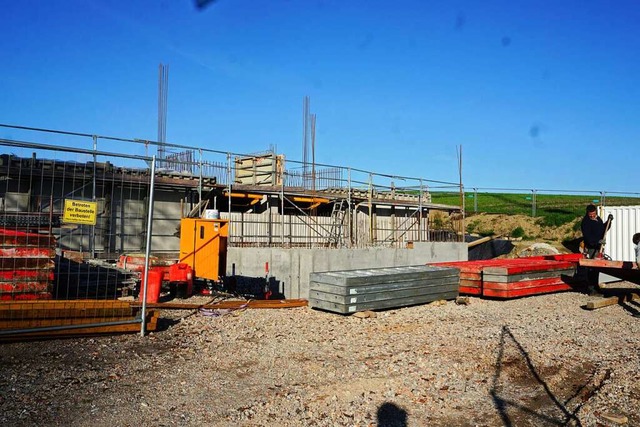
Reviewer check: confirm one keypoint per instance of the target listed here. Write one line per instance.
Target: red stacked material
(512, 278)
(470, 275)
(135, 262)
(26, 265)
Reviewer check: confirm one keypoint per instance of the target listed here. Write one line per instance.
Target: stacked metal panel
(538, 277)
(350, 291)
(512, 278)
(26, 265)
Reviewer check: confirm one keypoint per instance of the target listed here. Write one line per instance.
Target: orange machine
(203, 246)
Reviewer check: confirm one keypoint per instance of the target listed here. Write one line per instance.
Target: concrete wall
(291, 267)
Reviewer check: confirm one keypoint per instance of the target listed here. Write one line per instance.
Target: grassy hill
(552, 209)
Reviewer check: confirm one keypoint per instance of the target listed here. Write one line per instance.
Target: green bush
(556, 219)
(438, 222)
(517, 232)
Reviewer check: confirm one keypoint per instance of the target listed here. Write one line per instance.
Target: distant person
(636, 241)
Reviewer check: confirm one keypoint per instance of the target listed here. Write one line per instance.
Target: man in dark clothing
(593, 230)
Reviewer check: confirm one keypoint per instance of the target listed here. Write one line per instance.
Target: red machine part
(181, 275)
(154, 283)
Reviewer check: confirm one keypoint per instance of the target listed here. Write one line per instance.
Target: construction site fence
(59, 208)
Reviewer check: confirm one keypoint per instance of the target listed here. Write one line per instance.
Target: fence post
(533, 203)
(229, 186)
(92, 241)
(200, 181)
(147, 251)
(350, 216)
(475, 199)
(420, 212)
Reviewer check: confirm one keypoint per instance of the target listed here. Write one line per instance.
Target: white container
(211, 214)
(626, 222)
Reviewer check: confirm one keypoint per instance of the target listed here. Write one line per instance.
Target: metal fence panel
(58, 218)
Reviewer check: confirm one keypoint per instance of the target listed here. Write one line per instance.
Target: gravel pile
(534, 361)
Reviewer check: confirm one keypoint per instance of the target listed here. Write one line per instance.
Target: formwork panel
(350, 291)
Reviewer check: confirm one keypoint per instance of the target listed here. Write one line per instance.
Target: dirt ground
(537, 361)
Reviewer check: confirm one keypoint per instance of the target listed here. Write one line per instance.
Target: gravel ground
(537, 361)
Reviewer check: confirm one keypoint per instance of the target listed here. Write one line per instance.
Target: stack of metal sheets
(350, 291)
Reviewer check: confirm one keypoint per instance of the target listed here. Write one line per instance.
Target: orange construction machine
(203, 246)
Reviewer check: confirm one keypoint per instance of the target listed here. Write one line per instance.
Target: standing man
(593, 230)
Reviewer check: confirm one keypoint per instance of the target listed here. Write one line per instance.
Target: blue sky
(539, 94)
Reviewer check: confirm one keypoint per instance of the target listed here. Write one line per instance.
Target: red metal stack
(26, 265)
(513, 278)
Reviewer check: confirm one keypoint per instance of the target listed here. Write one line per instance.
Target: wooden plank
(623, 265)
(152, 318)
(59, 304)
(68, 321)
(285, 303)
(78, 312)
(606, 302)
(96, 330)
(624, 270)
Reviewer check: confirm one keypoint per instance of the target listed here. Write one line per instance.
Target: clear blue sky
(539, 94)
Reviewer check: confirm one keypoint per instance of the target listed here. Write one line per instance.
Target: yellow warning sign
(80, 212)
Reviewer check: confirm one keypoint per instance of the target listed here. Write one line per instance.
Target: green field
(554, 209)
